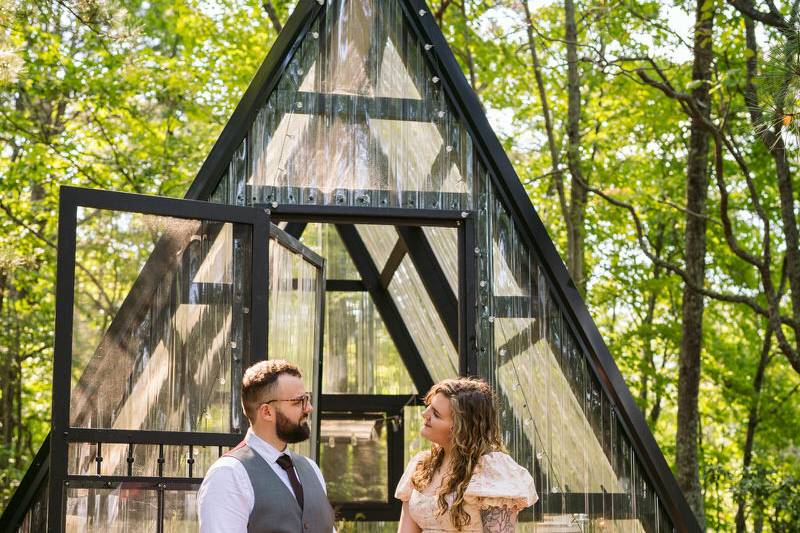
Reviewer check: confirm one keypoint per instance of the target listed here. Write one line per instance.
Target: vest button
(305, 525)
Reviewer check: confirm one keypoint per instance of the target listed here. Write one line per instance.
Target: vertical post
(62, 360)
(467, 296)
(319, 332)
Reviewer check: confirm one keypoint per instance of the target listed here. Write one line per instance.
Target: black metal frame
(62, 434)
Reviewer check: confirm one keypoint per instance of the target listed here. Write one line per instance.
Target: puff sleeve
(405, 487)
(498, 481)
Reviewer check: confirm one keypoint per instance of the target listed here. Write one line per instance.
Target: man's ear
(266, 411)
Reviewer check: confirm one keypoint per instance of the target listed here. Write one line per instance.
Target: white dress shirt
(225, 499)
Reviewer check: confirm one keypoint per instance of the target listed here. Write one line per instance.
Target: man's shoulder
(225, 467)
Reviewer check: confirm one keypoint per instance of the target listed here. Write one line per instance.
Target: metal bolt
(435, 79)
(315, 34)
(274, 205)
(464, 214)
(299, 105)
(477, 251)
(422, 12)
(428, 46)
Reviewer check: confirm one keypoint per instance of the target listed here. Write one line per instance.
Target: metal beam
(393, 263)
(433, 278)
(386, 307)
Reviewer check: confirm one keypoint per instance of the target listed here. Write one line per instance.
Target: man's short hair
(260, 380)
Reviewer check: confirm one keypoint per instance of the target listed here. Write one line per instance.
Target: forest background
(657, 140)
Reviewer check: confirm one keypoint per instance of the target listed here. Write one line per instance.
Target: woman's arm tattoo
(498, 520)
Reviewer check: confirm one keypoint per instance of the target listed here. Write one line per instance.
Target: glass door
(296, 305)
(160, 306)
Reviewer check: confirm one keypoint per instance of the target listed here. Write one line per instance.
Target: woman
(465, 482)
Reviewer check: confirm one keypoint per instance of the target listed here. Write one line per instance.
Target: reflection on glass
(353, 459)
(180, 511)
(380, 241)
(412, 425)
(294, 325)
(114, 510)
(358, 118)
(555, 417)
(423, 322)
(360, 356)
(325, 241)
(155, 328)
(444, 242)
(35, 519)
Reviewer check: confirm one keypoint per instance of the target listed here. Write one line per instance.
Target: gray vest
(276, 509)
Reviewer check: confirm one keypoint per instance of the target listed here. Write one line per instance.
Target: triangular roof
(507, 186)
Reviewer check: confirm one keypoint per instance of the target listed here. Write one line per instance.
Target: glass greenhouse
(358, 217)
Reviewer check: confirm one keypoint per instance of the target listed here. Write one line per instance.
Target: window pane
(423, 322)
(157, 322)
(295, 318)
(360, 356)
(354, 459)
(180, 511)
(325, 241)
(114, 510)
(358, 118)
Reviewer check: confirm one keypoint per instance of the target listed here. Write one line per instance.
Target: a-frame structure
(362, 140)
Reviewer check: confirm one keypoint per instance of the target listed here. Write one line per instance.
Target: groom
(260, 486)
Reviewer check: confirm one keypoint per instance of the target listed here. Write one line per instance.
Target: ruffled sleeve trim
(405, 487)
(498, 481)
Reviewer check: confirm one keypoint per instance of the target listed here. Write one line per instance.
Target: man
(259, 486)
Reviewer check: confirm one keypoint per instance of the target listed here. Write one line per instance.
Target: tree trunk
(686, 439)
(752, 423)
(576, 234)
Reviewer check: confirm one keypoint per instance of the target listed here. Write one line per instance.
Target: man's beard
(289, 431)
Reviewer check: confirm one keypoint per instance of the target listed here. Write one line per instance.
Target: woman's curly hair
(475, 433)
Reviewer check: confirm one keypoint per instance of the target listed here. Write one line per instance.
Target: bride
(465, 482)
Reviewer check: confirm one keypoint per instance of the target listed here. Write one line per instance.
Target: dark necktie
(286, 463)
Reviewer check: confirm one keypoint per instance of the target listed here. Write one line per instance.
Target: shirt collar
(262, 447)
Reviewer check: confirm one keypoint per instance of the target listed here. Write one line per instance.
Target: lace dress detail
(498, 481)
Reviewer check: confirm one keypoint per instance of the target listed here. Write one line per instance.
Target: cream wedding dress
(498, 481)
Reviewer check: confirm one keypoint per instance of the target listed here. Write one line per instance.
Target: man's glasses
(304, 400)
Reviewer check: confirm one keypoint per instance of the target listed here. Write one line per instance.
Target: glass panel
(380, 241)
(360, 356)
(114, 510)
(423, 322)
(444, 242)
(325, 241)
(555, 417)
(412, 425)
(358, 118)
(354, 459)
(35, 519)
(180, 511)
(157, 322)
(295, 318)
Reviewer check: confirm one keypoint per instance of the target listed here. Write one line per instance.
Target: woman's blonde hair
(475, 433)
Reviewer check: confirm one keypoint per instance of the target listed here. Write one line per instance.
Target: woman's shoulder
(406, 486)
(499, 480)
